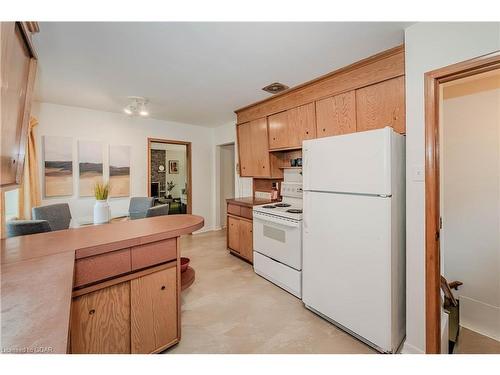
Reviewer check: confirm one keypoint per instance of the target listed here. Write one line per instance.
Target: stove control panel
(289, 189)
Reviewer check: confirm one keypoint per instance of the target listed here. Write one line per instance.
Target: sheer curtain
(29, 191)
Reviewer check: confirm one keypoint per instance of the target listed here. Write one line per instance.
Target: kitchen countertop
(248, 201)
(37, 276)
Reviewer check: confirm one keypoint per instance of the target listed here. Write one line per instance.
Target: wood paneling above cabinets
(336, 115)
(289, 128)
(381, 105)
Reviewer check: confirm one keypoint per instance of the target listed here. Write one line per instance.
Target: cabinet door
(233, 233)
(279, 134)
(100, 321)
(260, 148)
(153, 301)
(302, 124)
(382, 104)
(246, 239)
(15, 76)
(336, 115)
(245, 149)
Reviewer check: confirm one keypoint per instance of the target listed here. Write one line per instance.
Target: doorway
(454, 237)
(226, 179)
(169, 174)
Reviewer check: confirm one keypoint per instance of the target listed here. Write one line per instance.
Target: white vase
(101, 212)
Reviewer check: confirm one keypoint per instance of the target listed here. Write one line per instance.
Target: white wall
(470, 238)
(227, 179)
(114, 128)
(222, 135)
(429, 46)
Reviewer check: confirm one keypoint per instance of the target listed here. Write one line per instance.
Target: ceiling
(195, 73)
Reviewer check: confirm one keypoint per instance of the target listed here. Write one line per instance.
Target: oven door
(278, 238)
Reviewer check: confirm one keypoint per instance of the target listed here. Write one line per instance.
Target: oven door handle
(265, 219)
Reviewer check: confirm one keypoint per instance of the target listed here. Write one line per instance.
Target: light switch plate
(418, 173)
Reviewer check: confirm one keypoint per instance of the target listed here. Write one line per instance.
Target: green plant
(101, 191)
(170, 186)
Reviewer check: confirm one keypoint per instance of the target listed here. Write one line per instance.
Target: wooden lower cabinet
(240, 235)
(246, 239)
(136, 316)
(153, 311)
(100, 321)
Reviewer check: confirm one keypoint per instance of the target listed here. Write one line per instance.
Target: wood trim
(380, 67)
(121, 279)
(433, 80)
(179, 286)
(189, 209)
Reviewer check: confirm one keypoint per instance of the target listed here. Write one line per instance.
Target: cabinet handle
(92, 312)
(274, 138)
(163, 287)
(324, 129)
(307, 132)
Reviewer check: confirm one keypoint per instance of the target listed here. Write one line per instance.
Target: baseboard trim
(410, 349)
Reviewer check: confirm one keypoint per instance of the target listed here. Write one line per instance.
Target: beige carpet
(230, 309)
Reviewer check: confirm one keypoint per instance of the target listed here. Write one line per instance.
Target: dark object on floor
(452, 307)
(58, 215)
(184, 264)
(23, 227)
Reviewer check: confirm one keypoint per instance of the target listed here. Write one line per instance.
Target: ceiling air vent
(275, 88)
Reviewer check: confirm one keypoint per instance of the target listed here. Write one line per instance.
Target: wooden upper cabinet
(289, 128)
(336, 115)
(18, 67)
(381, 105)
(253, 149)
(278, 130)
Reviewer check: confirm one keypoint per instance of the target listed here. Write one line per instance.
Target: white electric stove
(277, 239)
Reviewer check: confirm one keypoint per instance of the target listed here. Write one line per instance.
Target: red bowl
(184, 264)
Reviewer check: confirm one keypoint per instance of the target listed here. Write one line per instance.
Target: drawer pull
(92, 312)
(163, 287)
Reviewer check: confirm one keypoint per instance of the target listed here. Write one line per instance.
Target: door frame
(433, 80)
(188, 166)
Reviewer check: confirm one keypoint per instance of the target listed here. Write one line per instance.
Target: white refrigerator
(354, 234)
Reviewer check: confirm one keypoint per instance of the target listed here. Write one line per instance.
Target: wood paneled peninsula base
(98, 289)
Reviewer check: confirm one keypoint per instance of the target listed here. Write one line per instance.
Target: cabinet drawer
(233, 209)
(153, 253)
(246, 212)
(100, 267)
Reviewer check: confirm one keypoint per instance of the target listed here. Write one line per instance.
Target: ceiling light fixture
(137, 106)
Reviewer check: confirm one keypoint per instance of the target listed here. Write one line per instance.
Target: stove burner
(282, 205)
(268, 206)
(294, 211)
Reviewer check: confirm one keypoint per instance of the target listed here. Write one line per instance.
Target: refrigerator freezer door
(346, 271)
(354, 163)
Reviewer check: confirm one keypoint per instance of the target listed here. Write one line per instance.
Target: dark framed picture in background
(173, 166)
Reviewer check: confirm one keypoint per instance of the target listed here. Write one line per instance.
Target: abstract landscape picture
(58, 172)
(90, 166)
(119, 171)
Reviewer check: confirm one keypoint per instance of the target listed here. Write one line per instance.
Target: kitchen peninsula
(111, 288)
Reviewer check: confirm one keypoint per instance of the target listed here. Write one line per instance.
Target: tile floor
(230, 309)
(470, 342)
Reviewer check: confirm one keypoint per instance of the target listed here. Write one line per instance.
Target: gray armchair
(23, 227)
(58, 215)
(160, 210)
(139, 206)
